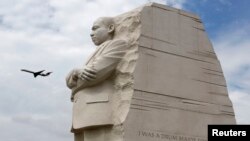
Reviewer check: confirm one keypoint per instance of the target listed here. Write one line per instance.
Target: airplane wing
(27, 71)
(34, 73)
(39, 72)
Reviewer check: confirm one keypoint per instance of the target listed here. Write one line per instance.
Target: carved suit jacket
(92, 100)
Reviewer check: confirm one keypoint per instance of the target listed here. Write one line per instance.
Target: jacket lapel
(98, 51)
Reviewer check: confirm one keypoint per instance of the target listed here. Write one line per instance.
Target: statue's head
(102, 30)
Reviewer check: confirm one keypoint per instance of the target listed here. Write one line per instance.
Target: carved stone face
(100, 32)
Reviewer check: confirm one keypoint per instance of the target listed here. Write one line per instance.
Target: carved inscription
(168, 137)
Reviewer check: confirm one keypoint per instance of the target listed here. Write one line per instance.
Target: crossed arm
(85, 74)
(100, 69)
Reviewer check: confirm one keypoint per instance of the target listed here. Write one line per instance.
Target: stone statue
(93, 85)
(154, 76)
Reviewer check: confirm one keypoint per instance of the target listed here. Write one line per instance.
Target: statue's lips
(93, 39)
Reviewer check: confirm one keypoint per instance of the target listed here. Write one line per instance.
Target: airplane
(37, 73)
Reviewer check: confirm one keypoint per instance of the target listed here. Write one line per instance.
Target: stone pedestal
(179, 86)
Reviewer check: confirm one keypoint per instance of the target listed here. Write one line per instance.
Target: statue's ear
(111, 28)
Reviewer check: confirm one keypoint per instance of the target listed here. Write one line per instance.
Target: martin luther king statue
(95, 87)
(154, 76)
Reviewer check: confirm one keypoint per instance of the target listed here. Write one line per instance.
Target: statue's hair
(107, 21)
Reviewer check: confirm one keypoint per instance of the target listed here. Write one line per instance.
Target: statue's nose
(91, 34)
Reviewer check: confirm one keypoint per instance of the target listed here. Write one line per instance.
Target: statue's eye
(95, 27)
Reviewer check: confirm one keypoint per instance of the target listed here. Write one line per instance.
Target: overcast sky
(54, 35)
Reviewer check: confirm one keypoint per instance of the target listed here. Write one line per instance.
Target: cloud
(35, 127)
(27, 15)
(241, 105)
(232, 47)
(225, 2)
(51, 35)
(176, 3)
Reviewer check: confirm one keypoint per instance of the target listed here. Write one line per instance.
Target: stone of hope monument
(153, 77)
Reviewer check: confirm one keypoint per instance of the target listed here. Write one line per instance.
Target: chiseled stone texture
(179, 87)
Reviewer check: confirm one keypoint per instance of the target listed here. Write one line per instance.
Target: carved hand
(87, 74)
(72, 78)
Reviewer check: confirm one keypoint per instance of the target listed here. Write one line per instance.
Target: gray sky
(54, 35)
